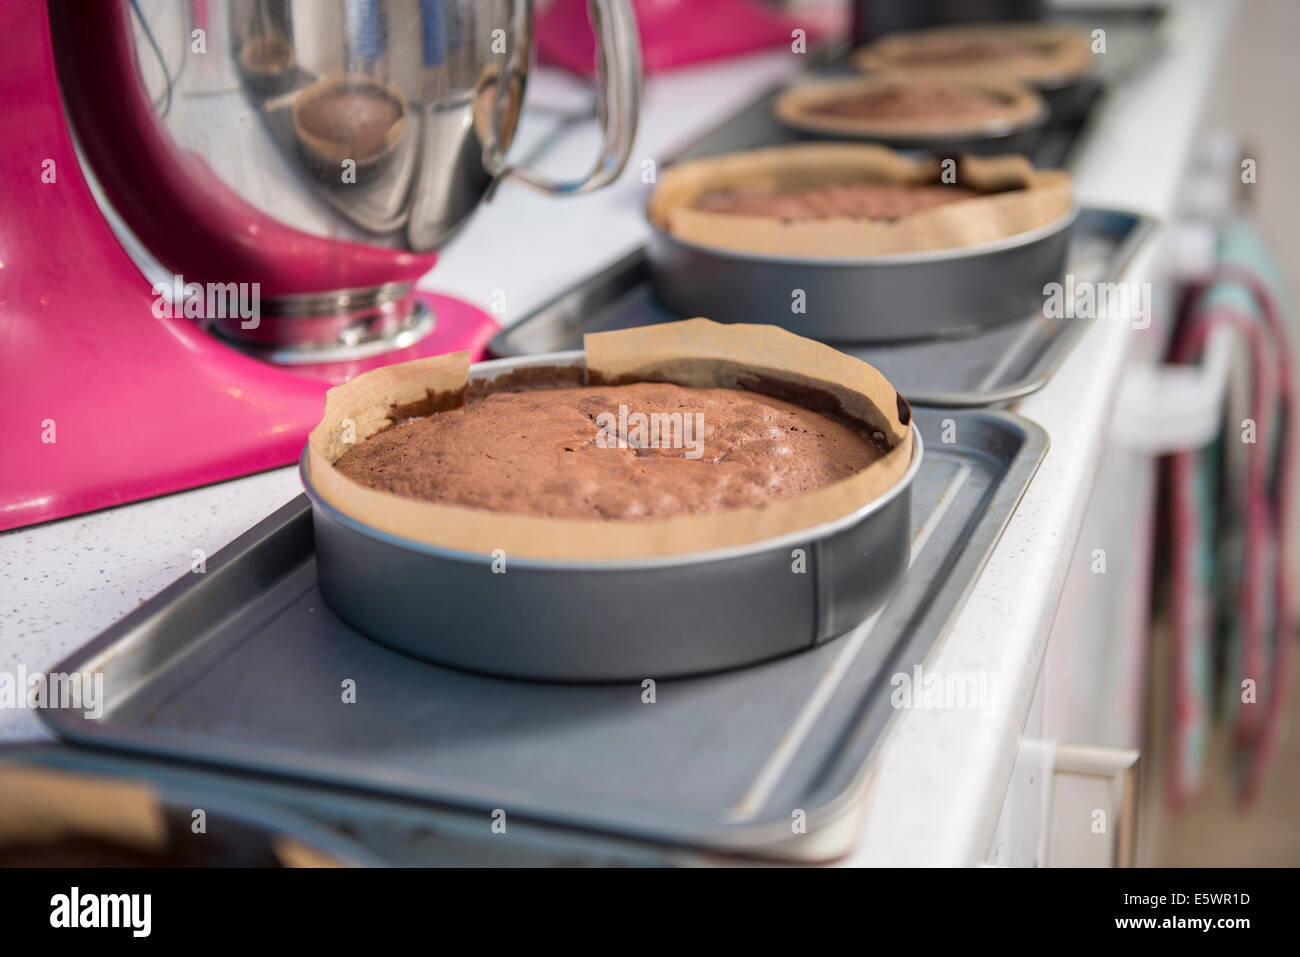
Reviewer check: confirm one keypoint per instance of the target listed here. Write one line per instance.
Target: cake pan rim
(925, 257)
(571, 357)
(933, 144)
(988, 130)
(800, 537)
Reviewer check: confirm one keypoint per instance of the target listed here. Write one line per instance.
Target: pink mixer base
(107, 404)
(100, 401)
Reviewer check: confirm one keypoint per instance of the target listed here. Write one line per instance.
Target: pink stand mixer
(213, 210)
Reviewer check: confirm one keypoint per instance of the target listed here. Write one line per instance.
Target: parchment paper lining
(1017, 106)
(1019, 198)
(39, 807)
(695, 352)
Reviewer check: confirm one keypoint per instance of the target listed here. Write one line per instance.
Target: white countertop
(940, 776)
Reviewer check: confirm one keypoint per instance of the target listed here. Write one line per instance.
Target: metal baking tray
(1133, 42)
(241, 828)
(242, 668)
(756, 124)
(994, 366)
(640, 618)
(359, 828)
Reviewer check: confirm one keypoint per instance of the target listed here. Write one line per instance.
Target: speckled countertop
(939, 778)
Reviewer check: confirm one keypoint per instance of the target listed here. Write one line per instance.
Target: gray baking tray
(362, 829)
(996, 365)
(1133, 41)
(242, 668)
(241, 827)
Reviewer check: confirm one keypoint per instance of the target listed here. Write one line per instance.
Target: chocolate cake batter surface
(932, 102)
(593, 452)
(852, 200)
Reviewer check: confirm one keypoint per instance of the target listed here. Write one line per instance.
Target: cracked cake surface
(583, 453)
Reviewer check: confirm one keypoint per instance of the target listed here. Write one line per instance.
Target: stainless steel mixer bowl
(321, 148)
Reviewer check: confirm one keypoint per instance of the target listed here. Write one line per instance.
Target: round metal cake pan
(876, 299)
(996, 139)
(1023, 139)
(618, 620)
(1068, 101)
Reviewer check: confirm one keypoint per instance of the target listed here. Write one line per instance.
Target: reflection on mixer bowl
(220, 134)
(496, 108)
(351, 118)
(244, 135)
(266, 64)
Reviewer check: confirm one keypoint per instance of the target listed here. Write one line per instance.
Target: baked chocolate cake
(912, 101)
(909, 109)
(844, 201)
(632, 452)
(1039, 53)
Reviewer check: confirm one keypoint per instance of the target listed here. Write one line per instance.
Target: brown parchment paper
(1017, 105)
(1020, 198)
(1048, 55)
(695, 352)
(39, 806)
